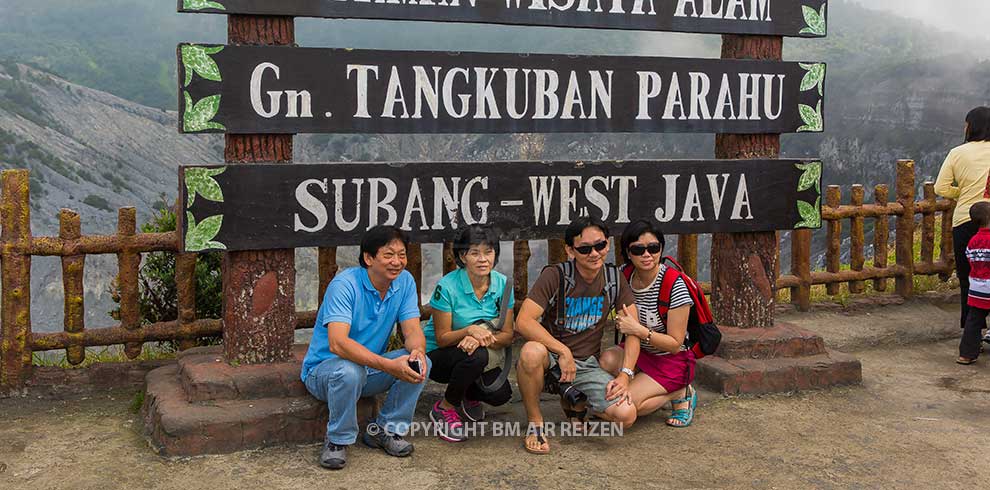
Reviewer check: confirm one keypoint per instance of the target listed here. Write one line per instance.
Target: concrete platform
(781, 359)
(203, 405)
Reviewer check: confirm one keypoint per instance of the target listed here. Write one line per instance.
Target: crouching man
(574, 300)
(347, 359)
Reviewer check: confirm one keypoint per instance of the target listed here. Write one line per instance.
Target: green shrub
(158, 295)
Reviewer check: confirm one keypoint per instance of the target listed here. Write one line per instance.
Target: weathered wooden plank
(268, 89)
(804, 18)
(284, 206)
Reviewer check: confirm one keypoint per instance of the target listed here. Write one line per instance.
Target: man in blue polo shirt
(347, 359)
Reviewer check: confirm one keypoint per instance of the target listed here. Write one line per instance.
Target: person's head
(476, 249)
(642, 244)
(980, 214)
(978, 124)
(586, 240)
(383, 251)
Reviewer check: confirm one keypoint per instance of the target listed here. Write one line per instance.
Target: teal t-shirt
(455, 294)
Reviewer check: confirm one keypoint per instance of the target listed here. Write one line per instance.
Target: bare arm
(677, 320)
(442, 324)
(415, 344)
(529, 327)
(504, 337)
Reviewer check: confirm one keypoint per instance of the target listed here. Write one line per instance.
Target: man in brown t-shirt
(575, 344)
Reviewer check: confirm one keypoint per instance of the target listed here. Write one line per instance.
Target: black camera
(567, 391)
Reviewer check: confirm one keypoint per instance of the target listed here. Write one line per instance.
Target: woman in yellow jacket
(965, 177)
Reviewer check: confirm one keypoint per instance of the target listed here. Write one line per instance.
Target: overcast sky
(969, 17)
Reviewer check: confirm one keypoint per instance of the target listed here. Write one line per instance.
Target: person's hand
(484, 336)
(568, 368)
(629, 325)
(400, 370)
(421, 357)
(468, 344)
(618, 388)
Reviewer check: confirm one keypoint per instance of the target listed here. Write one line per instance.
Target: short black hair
(635, 230)
(580, 224)
(980, 214)
(978, 121)
(475, 235)
(377, 237)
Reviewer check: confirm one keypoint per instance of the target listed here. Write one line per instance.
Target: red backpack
(703, 335)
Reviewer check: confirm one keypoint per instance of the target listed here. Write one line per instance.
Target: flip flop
(965, 361)
(540, 438)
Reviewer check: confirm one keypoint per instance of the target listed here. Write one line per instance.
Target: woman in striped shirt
(665, 367)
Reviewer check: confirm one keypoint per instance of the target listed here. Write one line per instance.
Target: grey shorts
(592, 380)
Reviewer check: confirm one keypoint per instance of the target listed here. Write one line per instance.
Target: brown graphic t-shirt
(585, 310)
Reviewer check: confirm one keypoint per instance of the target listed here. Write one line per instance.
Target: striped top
(978, 253)
(649, 313)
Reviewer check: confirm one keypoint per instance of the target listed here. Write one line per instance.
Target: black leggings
(459, 371)
(960, 240)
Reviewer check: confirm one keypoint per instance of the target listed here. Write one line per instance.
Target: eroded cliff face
(92, 152)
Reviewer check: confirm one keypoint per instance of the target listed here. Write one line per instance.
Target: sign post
(259, 313)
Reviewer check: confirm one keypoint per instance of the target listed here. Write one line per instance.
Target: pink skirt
(672, 371)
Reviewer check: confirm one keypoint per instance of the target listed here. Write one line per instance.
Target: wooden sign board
(806, 18)
(247, 89)
(259, 207)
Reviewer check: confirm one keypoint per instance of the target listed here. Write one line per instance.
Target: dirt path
(919, 421)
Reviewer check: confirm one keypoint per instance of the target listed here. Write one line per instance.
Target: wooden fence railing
(17, 246)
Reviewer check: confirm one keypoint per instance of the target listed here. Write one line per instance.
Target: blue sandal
(684, 415)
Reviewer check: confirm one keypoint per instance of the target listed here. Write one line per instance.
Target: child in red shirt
(978, 253)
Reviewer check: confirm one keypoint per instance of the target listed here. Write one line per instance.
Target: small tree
(158, 295)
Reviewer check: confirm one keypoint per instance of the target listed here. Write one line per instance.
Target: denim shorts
(592, 380)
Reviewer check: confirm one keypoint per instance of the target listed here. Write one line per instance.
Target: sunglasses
(637, 250)
(586, 249)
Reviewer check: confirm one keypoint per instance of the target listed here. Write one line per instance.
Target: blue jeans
(341, 383)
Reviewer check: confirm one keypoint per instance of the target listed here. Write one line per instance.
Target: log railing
(17, 246)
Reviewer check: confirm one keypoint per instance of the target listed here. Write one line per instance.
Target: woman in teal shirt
(460, 345)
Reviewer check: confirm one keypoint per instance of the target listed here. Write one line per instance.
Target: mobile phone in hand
(414, 365)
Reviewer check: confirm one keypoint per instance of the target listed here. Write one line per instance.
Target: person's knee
(611, 361)
(532, 357)
(622, 413)
(477, 359)
(346, 376)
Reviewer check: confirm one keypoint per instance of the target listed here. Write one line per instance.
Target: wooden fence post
(801, 268)
(327, 269)
(904, 251)
(687, 254)
(15, 269)
(185, 289)
(833, 254)
(72, 283)
(520, 267)
(881, 234)
(128, 266)
(857, 257)
(556, 253)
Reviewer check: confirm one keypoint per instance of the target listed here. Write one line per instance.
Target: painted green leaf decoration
(197, 117)
(815, 20)
(200, 236)
(196, 59)
(810, 214)
(201, 4)
(811, 176)
(812, 117)
(199, 180)
(814, 78)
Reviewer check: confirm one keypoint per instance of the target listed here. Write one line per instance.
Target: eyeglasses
(586, 249)
(637, 250)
